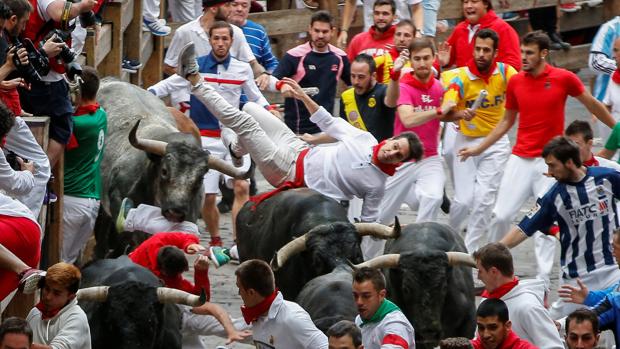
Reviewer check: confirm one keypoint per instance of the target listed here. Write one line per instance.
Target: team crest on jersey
(533, 211)
(547, 84)
(372, 102)
(334, 67)
(600, 190)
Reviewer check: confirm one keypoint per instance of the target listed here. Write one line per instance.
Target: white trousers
(184, 10)
(78, 219)
(424, 179)
(21, 141)
(448, 147)
(476, 181)
(270, 143)
(150, 10)
(524, 178)
(596, 280)
(216, 148)
(149, 219)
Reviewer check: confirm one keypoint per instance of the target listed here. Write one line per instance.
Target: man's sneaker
(159, 20)
(186, 65)
(219, 256)
(570, 7)
(130, 67)
(126, 205)
(156, 28)
(592, 3)
(29, 280)
(234, 253)
(228, 136)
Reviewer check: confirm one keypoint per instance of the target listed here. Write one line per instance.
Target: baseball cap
(211, 3)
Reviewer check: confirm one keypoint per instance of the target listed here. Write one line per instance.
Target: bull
(304, 234)
(428, 275)
(127, 308)
(162, 166)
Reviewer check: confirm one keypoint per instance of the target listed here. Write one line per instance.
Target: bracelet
(265, 72)
(394, 75)
(344, 30)
(439, 111)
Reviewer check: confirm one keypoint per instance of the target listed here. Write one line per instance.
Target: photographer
(51, 22)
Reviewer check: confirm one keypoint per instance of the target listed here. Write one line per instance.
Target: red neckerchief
(3, 142)
(47, 314)
(251, 314)
(388, 169)
(382, 35)
(86, 109)
(297, 183)
(616, 76)
(412, 80)
(502, 290)
(592, 161)
(471, 65)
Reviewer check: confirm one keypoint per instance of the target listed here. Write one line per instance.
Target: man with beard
(374, 42)
(313, 64)
(403, 35)
(197, 31)
(582, 202)
(538, 95)
(495, 329)
(476, 180)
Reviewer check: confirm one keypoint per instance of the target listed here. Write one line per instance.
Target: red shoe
(570, 7)
(216, 241)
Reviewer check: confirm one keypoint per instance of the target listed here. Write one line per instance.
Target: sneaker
(29, 280)
(445, 203)
(592, 3)
(228, 137)
(570, 7)
(510, 16)
(156, 28)
(186, 64)
(159, 20)
(234, 253)
(126, 205)
(216, 241)
(128, 67)
(50, 198)
(219, 256)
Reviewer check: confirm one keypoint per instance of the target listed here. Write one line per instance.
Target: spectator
(82, 186)
(276, 323)
(183, 11)
(495, 328)
(57, 321)
(537, 95)
(476, 180)
(594, 264)
(313, 64)
(381, 321)
(150, 17)
(524, 298)
(51, 95)
(546, 19)
(612, 93)
(403, 35)
(14, 182)
(374, 42)
(479, 14)
(344, 334)
(582, 330)
(15, 334)
(580, 132)
(197, 31)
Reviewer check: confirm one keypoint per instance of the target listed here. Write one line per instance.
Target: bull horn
(379, 230)
(294, 247)
(93, 294)
(461, 258)
(384, 261)
(171, 295)
(148, 145)
(228, 169)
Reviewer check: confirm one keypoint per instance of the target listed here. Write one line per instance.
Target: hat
(211, 3)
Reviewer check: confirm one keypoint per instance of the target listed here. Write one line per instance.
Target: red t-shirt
(146, 255)
(512, 341)
(540, 102)
(367, 43)
(462, 49)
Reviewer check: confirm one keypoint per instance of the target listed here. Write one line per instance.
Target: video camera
(38, 64)
(11, 158)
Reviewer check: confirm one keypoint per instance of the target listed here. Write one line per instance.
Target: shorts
(50, 99)
(22, 237)
(216, 148)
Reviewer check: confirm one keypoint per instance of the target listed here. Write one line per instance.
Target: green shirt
(83, 155)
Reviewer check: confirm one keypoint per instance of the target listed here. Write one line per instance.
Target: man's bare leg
(54, 150)
(11, 262)
(242, 195)
(211, 216)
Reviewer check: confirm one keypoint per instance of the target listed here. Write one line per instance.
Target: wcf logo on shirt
(498, 100)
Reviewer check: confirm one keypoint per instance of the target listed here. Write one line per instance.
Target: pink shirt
(421, 98)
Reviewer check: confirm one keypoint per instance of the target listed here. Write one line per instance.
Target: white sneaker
(186, 64)
(228, 137)
(159, 20)
(156, 27)
(234, 253)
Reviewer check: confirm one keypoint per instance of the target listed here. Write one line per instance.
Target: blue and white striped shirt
(586, 213)
(259, 44)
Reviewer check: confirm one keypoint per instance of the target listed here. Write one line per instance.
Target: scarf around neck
(502, 290)
(388, 169)
(86, 109)
(471, 65)
(251, 314)
(385, 308)
(616, 76)
(47, 314)
(382, 35)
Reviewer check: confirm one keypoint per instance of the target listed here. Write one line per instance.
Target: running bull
(310, 233)
(428, 275)
(161, 166)
(127, 308)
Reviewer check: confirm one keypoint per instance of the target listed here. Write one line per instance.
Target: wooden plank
(104, 45)
(128, 9)
(90, 47)
(587, 17)
(283, 21)
(153, 72)
(133, 39)
(111, 64)
(146, 46)
(574, 59)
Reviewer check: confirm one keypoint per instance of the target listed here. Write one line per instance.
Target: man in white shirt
(355, 167)
(382, 322)
(276, 323)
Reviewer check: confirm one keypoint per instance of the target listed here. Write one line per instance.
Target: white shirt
(344, 170)
(68, 329)
(394, 323)
(287, 326)
(14, 208)
(612, 99)
(176, 87)
(193, 32)
(14, 182)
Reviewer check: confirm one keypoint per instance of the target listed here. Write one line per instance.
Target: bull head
(164, 295)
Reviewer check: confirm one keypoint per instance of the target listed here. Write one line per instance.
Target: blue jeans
(430, 8)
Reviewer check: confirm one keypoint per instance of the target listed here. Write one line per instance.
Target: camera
(66, 55)
(38, 64)
(11, 158)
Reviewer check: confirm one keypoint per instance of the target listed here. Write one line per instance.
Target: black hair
(364, 58)
(7, 119)
(385, 2)
(256, 274)
(171, 260)
(322, 16)
(487, 33)
(343, 328)
(581, 315)
(580, 127)
(416, 149)
(19, 8)
(374, 275)
(418, 44)
(221, 24)
(90, 82)
(15, 325)
(538, 38)
(496, 255)
(563, 149)
(493, 307)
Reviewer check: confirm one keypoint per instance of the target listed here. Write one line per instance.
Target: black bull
(134, 312)
(310, 233)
